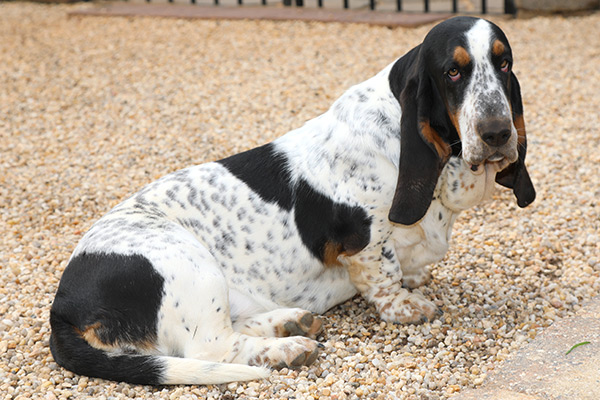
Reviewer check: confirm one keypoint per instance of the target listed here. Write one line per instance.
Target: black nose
(494, 132)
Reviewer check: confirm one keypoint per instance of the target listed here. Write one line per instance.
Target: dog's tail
(73, 352)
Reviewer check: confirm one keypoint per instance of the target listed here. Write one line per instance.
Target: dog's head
(458, 96)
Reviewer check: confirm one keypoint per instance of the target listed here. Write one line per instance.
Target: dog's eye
(453, 74)
(504, 66)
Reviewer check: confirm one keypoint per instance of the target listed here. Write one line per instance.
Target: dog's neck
(459, 188)
(361, 129)
(372, 116)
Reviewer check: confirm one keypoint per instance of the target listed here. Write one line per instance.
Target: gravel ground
(91, 109)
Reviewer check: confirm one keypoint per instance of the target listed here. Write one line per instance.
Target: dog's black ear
(515, 176)
(423, 152)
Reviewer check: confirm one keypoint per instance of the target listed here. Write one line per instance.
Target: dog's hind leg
(206, 332)
(195, 320)
(251, 347)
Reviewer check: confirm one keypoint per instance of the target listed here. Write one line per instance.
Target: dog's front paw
(404, 306)
(412, 280)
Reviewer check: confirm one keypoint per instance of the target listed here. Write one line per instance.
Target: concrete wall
(556, 5)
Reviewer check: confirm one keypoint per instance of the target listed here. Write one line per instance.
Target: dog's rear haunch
(212, 273)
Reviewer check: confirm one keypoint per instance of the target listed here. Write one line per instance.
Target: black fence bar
(509, 5)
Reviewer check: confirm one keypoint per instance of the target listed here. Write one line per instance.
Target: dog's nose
(494, 132)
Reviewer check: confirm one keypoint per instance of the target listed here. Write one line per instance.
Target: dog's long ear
(423, 152)
(515, 176)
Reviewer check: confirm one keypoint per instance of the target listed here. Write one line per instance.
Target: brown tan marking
(442, 148)
(519, 123)
(461, 56)
(454, 119)
(331, 252)
(90, 335)
(498, 47)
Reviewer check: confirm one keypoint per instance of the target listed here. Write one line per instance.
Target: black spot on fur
(362, 98)
(380, 118)
(119, 297)
(321, 221)
(265, 171)
(387, 254)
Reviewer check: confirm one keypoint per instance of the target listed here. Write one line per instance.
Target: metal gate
(509, 5)
(452, 6)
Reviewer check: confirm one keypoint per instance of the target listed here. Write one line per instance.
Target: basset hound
(212, 273)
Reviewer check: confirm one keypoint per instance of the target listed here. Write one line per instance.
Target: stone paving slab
(543, 371)
(384, 18)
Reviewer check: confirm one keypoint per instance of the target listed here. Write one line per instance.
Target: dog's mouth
(495, 157)
(497, 161)
(486, 174)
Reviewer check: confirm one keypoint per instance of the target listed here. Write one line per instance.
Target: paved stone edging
(543, 370)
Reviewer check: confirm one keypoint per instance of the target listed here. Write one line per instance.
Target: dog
(214, 273)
